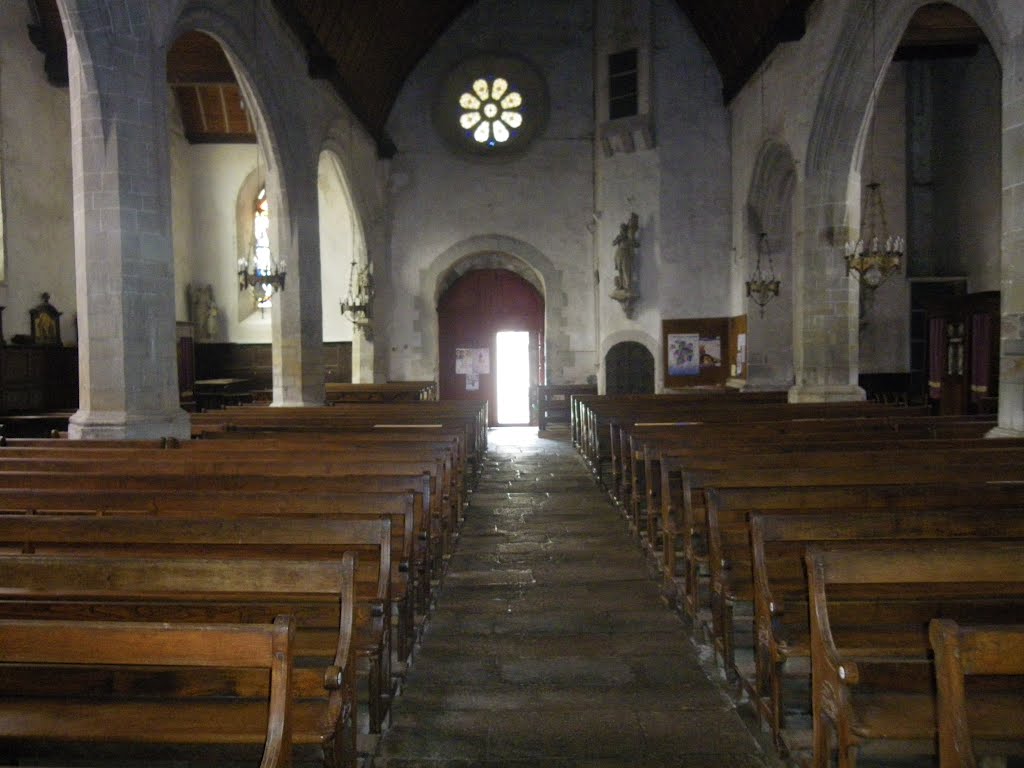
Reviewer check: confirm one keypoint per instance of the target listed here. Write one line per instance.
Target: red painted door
(470, 314)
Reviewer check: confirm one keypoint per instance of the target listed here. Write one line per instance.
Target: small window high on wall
(622, 84)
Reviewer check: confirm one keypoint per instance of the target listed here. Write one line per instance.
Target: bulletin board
(700, 352)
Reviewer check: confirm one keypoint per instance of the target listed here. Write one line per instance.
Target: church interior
(668, 235)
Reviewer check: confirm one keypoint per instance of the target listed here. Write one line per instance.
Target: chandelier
(763, 285)
(877, 254)
(357, 306)
(258, 269)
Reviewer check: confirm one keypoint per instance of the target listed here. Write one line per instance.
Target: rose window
(491, 112)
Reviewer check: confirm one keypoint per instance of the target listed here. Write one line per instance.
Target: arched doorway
(629, 369)
(471, 314)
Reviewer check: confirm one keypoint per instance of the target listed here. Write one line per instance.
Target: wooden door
(629, 369)
(470, 314)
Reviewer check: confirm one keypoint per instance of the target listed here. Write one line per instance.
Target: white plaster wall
(35, 121)
(340, 241)
(181, 211)
(216, 175)
(542, 198)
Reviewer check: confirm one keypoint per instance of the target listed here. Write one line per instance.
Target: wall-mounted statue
(626, 244)
(203, 311)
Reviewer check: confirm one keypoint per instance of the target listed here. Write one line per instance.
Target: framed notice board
(706, 351)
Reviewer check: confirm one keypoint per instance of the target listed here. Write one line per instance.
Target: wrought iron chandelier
(358, 305)
(876, 255)
(763, 285)
(258, 269)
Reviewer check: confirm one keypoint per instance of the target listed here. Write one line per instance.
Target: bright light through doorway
(513, 367)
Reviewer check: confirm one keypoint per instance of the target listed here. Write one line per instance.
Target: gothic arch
(651, 344)
(831, 202)
(770, 210)
(498, 252)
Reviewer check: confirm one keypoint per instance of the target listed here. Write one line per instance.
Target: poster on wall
(472, 361)
(472, 382)
(482, 361)
(683, 354)
(463, 360)
(710, 352)
(741, 353)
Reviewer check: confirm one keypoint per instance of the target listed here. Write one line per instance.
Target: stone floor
(549, 645)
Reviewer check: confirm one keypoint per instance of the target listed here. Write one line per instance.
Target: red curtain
(936, 356)
(981, 355)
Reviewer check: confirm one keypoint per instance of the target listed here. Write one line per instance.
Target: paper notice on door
(472, 382)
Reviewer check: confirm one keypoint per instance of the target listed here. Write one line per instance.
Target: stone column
(825, 316)
(297, 314)
(1011, 363)
(124, 264)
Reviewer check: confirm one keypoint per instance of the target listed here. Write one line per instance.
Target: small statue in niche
(45, 323)
(626, 244)
(203, 311)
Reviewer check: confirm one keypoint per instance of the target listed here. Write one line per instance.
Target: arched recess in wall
(219, 166)
(341, 244)
(629, 369)
(497, 252)
(833, 186)
(475, 304)
(770, 211)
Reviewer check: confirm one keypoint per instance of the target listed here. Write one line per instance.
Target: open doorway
(513, 377)
(474, 313)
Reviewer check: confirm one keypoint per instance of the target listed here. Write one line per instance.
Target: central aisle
(549, 645)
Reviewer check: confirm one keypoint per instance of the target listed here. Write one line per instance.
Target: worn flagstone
(549, 646)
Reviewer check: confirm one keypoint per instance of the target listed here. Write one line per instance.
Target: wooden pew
(869, 613)
(692, 521)
(554, 401)
(318, 593)
(365, 501)
(249, 537)
(961, 652)
(777, 540)
(29, 715)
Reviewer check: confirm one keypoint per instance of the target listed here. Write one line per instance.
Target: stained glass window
(491, 111)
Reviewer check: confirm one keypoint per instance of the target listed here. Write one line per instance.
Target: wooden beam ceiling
(367, 50)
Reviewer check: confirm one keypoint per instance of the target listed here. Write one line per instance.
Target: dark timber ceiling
(366, 50)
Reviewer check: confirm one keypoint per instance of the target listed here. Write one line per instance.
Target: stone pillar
(825, 315)
(1011, 363)
(124, 264)
(297, 313)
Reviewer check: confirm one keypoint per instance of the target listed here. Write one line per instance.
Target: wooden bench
(318, 593)
(248, 537)
(553, 402)
(872, 680)
(779, 630)
(167, 499)
(33, 713)
(983, 717)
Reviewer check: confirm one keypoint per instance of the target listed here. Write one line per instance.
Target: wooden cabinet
(963, 353)
(38, 378)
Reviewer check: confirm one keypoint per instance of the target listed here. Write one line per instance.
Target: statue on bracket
(626, 244)
(44, 320)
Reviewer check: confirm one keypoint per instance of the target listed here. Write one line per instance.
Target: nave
(549, 645)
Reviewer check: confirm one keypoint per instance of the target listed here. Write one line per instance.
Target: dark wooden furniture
(869, 613)
(38, 378)
(553, 402)
(991, 716)
(963, 353)
(35, 711)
